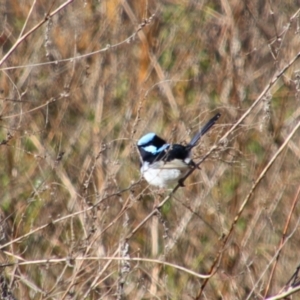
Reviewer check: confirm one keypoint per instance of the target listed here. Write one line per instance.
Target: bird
(163, 164)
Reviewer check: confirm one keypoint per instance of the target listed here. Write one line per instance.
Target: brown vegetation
(76, 221)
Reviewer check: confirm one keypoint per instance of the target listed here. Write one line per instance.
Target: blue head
(147, 138)
(151, 147)
(152, 143)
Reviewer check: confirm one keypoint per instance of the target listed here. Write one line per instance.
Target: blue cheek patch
(152, 149)
(146, 139)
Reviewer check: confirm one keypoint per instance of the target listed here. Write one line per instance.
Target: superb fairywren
(163, 164)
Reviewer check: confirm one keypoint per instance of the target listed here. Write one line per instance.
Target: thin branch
(285, 294)
(18, 239)
(70, 59)
(91, 258)
(245, 202)
(296, 198)
(23, 37)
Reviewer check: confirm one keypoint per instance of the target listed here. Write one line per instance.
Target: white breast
(163, 174)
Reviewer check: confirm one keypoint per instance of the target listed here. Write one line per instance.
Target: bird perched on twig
(164, 164)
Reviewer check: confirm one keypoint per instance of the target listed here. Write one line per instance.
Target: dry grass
(76, 220)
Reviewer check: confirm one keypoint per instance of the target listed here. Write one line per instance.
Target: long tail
(203, 130)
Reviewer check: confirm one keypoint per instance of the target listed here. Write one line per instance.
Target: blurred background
(77, 94)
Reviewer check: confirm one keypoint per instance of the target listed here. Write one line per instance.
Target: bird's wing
(173, 164)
